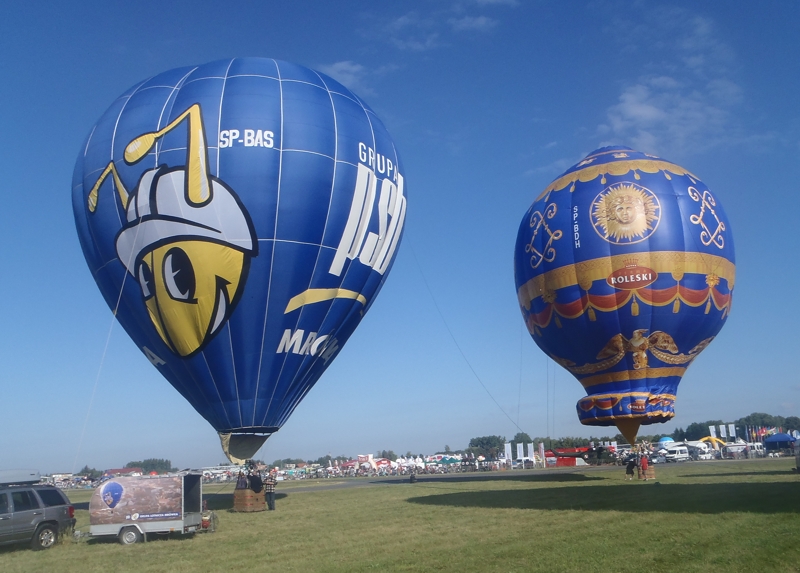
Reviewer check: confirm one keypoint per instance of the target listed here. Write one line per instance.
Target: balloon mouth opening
(629, 425)
(241, 447)
(629, 428)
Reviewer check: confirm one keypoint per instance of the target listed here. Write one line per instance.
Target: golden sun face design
(625, 213)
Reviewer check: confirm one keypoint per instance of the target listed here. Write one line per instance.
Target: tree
(325, 460)
(699, 430)
(487, 446)
(791, 423)
(153, 465)
(757, 419)
(388, 454)
(620, 439)
(679, 435)
(90, 473)
(519, 438)
(761, 419)
(285, 461)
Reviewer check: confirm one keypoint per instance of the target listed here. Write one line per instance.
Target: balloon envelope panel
(624, 268)
(241, 216)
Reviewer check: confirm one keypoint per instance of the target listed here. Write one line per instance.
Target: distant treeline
(492, 446)
(149, 465)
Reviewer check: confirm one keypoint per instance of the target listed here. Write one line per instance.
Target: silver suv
(35, 514)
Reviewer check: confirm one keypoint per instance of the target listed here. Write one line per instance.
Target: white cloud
(423, 30)
(686, 97)
(413, 32)
(656, 116)
(474, 23)
(497, 2)
(350, 75)
(417, 44)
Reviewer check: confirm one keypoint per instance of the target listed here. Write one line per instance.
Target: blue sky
(487, 101)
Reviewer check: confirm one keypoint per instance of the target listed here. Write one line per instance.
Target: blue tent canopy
(778, 441)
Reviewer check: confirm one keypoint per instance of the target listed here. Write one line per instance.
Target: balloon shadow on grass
(634, 497)
(487, 477)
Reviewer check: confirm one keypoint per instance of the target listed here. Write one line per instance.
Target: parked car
(677, 454)
(34, 514)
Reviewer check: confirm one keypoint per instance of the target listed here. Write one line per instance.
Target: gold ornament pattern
(629, 375)
(710, 234)
(662, 262)
(617, 168)
(537, 223)
(659, 344)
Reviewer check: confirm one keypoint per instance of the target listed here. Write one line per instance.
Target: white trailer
(130, 507)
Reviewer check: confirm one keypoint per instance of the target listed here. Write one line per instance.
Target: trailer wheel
(130, 535)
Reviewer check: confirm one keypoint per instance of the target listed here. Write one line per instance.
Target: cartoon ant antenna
(198, 178)
(123, 193)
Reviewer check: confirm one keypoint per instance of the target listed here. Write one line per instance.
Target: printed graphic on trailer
(135, 499)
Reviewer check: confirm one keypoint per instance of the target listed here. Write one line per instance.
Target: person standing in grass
(269, 489)
(629, 468)
(643, 465)
(241, 481)
(256, 483)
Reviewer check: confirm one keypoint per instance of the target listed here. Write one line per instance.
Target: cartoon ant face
(187, 240)
(188, 288)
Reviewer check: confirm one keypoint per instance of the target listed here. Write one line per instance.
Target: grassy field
(698, 516)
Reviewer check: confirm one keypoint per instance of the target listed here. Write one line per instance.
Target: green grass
(699, 516)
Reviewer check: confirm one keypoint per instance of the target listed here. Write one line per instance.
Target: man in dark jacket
(255, 482)
(629, 468)
(269, 490)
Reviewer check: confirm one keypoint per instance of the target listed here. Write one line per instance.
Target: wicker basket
(246, 500)
(649, 474)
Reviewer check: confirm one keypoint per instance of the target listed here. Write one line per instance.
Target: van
(678, 454)
(735, 451)
(756, 449)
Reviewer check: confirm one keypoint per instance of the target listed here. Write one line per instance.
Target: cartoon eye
(146, 280)
(179, 275)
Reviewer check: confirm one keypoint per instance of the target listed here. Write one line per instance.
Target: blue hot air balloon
(111, 494)
(240, 217)
(624, 269)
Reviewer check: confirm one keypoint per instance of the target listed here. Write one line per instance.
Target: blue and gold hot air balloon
(624, 270)
(240, 218)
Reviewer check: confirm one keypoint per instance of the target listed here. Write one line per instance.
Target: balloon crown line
(621, 160)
